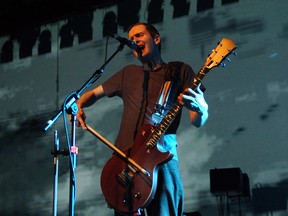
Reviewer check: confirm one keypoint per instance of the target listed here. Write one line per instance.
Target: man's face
(147, 44)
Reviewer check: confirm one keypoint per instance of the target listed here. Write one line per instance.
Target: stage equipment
(227, 184)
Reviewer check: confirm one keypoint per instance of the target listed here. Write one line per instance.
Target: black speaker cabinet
(226, 181)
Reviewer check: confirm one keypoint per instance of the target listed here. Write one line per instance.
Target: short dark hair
(150, 28)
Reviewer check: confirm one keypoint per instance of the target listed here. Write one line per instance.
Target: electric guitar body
(125, 188)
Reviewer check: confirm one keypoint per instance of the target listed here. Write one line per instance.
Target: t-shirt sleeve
(187, 77)
(113, 85)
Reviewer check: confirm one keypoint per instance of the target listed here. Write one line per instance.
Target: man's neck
(153, 64)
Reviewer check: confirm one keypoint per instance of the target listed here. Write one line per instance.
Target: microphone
(131, 44)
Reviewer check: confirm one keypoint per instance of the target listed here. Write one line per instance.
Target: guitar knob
(137, 195)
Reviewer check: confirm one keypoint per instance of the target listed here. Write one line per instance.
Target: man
(139, 87)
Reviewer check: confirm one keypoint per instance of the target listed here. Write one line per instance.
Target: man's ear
(157, 39)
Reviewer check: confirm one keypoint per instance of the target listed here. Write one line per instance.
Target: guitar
(129, 179)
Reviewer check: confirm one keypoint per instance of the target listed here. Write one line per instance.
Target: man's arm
(198, 119)
(86, 100)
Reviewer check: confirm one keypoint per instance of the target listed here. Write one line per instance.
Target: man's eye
(139, 35)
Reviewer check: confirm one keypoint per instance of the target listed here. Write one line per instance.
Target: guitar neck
(224, 48)
(167, 120)
(199, 77)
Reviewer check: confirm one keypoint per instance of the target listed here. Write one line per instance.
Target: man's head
(147, 38)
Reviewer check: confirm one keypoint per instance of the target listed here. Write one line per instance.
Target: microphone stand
(69, 106)
(56, 168)
(55, 152)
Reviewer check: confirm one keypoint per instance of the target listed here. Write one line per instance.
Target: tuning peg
(234, 53)
(228, 59)
(222, 64)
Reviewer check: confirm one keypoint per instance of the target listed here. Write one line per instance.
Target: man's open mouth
(141, 47)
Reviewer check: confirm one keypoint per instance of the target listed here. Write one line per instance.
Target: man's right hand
(81, 118)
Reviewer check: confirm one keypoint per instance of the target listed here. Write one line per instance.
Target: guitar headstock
(220, 53)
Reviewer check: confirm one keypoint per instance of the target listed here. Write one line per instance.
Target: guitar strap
(168, 92)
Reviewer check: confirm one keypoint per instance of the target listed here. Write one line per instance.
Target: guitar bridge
(125, 178)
